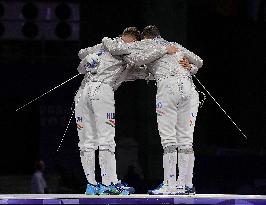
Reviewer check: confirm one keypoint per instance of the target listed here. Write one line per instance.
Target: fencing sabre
(73, 107)
(47, 92)
(63, 137)
(220, 107)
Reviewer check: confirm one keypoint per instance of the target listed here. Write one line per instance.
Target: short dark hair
(133, 31)
(39, 165)
(150, 31)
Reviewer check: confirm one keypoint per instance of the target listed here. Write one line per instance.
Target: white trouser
(95, 117)
(176, 107)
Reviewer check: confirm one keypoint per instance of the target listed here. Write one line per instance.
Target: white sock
(189, 176)
(183, 159)
(88, 164)
(169, 165)
(108, 167)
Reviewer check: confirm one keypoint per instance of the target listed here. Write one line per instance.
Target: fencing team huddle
(137, 55)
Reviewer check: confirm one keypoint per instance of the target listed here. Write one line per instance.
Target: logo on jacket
(79, 119)
(159, 107)
(110, 119)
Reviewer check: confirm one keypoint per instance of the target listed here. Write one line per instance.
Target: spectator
(38, 183)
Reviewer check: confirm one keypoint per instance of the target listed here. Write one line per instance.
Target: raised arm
(144, 52)
(136, 73)
(116, 46)
(90, 50)
(192, 58)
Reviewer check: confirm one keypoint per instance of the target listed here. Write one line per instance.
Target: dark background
(230, 36)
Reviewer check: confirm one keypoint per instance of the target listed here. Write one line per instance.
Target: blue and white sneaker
(116, 190)
(150, 192)
(180, 190)
(190, 190)
(104, 190)
(164, 189)
(113, 189)
(91, 189)
(125, 188)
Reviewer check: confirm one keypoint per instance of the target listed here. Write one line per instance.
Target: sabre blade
(61, 142)
(47, 92)
(73, 111)
(220, 107)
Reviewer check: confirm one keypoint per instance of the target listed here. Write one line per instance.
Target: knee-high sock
(169, 165)
(108, 167)
(88, 164)
(183, 161)
(189, 176)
